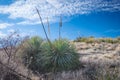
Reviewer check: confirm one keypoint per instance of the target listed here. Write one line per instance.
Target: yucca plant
(49, 56)
(60, 25)
(41, 57)
(29, 52)
(61, 57)
(48, 28)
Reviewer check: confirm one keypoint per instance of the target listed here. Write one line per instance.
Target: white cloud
(113, 31)
(11, 30)
(21, 33)
(2, 34)
(5, 25)
(29, 22)
(53, 8)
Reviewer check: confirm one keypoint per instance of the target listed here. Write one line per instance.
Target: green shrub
(30, 50)
(81, 39)
(118, 38)
(42, 57)
(90, 40)
(61, 57)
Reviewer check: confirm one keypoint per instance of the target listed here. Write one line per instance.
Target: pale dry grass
(99, 62)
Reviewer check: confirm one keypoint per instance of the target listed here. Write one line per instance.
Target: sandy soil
(98, 52)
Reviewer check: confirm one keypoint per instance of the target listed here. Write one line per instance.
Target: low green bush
(29, 53)
(61, 57)
(43, 57)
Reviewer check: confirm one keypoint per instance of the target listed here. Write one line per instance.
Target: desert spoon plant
(43, 25)
(60, 25)
(59, 55)
(48, 28)
(49, 56)
(63, 58)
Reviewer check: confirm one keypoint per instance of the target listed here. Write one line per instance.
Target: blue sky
(99, 18)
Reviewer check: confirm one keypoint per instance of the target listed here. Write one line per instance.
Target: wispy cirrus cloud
(113, 31)
(53, 8)
(5, 25)
(22, 33)
(2, 34)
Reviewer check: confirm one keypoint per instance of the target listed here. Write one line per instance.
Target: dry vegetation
(98, 61)
(38, 59)
(91, 39)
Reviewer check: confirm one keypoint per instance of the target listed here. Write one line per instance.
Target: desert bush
(108, 74)
(93, 40)
(42, 57)
(118, 38)
(116, 41)
(109, 40)
(80, 39)
(9, 63)
(90, 73)
(10, 76)
(29, 53)
(61, 57)
(90, 40)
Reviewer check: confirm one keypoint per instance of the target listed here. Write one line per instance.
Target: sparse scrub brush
(118, 38)
(90, 40)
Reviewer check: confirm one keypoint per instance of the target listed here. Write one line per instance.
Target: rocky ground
(101, 61)
(91, 55)
(99, 52)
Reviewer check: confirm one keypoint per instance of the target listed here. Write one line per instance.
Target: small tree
(9, 60)
(9, 47)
